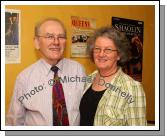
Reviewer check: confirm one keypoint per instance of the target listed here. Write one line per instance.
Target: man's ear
(36, 43)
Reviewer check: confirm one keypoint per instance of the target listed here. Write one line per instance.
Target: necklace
(108, 75)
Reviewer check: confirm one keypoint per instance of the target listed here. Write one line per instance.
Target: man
(32, 100)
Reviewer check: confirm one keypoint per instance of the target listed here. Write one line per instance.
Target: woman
(112, 98)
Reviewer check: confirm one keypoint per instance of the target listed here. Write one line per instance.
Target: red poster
(134, 32)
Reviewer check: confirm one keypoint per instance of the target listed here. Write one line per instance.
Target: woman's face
(105, 54)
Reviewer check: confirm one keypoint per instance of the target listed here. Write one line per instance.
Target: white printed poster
(12, 36)
(82, 29)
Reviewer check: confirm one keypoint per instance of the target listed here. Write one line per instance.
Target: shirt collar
(47, 66)
(60, 64)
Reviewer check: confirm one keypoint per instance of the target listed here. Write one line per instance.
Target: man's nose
(56, 40)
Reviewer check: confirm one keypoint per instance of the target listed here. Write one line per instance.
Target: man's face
(51, 41)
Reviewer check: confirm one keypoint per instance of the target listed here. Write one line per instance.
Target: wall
(31, 14)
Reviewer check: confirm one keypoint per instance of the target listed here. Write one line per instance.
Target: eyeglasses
(106, 51)
(51, 37)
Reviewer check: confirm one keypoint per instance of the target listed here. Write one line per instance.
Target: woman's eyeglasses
(106, 50)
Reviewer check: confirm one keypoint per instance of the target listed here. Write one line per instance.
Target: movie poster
(134, 31)
(12, 36)
(82, 29)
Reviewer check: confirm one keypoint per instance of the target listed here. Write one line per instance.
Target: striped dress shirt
(31, 103)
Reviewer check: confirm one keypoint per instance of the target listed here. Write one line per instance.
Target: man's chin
(55, 58)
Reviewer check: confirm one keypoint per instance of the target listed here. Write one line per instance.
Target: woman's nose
(101, 53)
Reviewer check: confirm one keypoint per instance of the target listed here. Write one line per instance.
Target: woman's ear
(118, 57)
(36, 43)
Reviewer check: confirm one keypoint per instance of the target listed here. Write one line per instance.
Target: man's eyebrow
(54, 34)
(49, 34)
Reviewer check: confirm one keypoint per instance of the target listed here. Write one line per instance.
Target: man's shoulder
(72, 67)
(28, 70)
(70, 62)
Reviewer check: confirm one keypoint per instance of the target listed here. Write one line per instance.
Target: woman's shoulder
(123, 77)
(127, 83)
(93, 73)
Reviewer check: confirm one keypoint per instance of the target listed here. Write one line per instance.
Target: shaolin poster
(134, 31)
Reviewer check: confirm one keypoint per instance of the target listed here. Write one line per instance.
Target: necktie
(60, 115)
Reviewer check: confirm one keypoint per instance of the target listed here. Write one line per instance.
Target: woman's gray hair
(38, 25)
(119, 38)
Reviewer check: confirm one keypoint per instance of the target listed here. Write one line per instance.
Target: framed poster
(12, 36)
(82, 29)
(134, 32)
